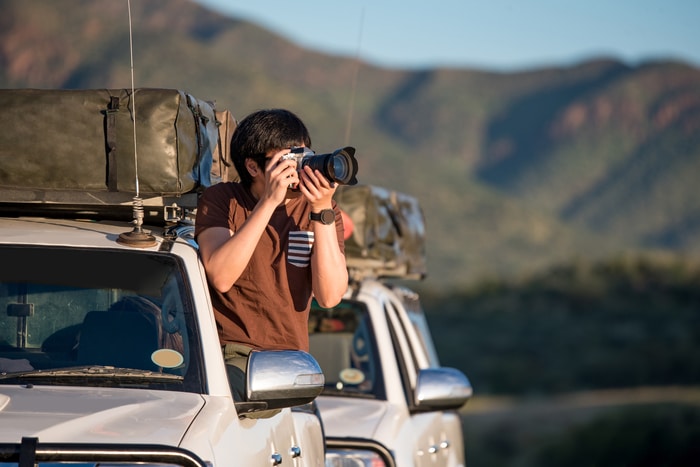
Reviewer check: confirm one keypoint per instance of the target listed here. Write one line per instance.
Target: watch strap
(325, 216)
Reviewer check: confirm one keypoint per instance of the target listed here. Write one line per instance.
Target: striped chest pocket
(299, 248)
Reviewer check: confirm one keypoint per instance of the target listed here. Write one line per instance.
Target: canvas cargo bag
(388, 232)
(61, 145)
(222, 166)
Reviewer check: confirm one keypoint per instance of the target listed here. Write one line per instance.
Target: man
(269, 242)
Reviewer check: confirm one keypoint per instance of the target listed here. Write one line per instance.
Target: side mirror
(282, 378)
(441, 389)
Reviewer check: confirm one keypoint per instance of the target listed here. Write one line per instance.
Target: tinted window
(342, 341)
(97, 313)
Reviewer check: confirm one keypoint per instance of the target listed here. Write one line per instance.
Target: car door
(451, 439)
(431, 444)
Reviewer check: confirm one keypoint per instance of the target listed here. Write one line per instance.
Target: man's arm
(225, 254)
(329, 273)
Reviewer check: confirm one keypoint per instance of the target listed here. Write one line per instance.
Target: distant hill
(515, 171)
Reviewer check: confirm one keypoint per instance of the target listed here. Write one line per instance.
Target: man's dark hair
(262, 131)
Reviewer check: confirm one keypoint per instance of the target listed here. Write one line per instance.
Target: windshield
(82, 316)
(342, 342)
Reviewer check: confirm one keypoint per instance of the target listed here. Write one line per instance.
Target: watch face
(327, 216)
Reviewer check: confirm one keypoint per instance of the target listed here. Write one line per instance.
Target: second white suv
(386, 398)
(387, 401)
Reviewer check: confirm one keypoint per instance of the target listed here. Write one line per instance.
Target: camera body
(298, 157)
(339, 166)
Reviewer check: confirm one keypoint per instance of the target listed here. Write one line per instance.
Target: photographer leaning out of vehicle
(269, 242)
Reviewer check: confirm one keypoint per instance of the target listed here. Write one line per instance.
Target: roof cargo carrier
(74, 151)
(388, 232)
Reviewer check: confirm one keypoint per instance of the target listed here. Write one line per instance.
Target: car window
(342, 342)
(402, 343)
(96, 317)
(414, 311)
(426, 341)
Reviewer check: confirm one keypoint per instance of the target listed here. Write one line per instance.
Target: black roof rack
(153, 215)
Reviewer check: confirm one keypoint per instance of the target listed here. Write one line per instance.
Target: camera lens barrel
(339, 166)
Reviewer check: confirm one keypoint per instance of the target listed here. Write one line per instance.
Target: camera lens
(341, 169)
(339, 166)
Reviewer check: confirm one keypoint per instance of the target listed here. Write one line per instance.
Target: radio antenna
(353, 89)
(137, 237)
(133, 102)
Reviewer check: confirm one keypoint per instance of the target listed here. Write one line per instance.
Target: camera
(339, 166)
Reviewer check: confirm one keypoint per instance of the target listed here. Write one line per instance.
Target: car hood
(350, 417)
(95, 415)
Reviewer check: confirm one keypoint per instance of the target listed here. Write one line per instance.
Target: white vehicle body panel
(62, 414)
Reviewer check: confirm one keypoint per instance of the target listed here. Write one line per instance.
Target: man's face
(286, 155)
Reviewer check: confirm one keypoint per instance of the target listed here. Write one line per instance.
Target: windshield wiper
(346, 391)
(93, 371)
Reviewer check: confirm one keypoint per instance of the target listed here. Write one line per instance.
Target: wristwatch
(326, 216)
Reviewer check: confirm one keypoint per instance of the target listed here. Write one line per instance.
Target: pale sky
(501, 35)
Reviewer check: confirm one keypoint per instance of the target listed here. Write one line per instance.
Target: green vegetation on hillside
(630, 321)
(654, 434)
(667, 435)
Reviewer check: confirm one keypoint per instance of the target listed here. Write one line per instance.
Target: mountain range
(515, 171)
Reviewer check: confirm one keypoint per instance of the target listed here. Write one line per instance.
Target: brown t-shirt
(268, 306)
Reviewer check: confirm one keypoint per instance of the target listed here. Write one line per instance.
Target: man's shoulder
(215, 204)
(225, 190)
(222, 187)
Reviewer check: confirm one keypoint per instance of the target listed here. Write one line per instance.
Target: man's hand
(279, 175)
(316, 188)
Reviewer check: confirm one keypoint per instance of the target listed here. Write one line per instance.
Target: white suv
(386, 399)
(109, 355)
